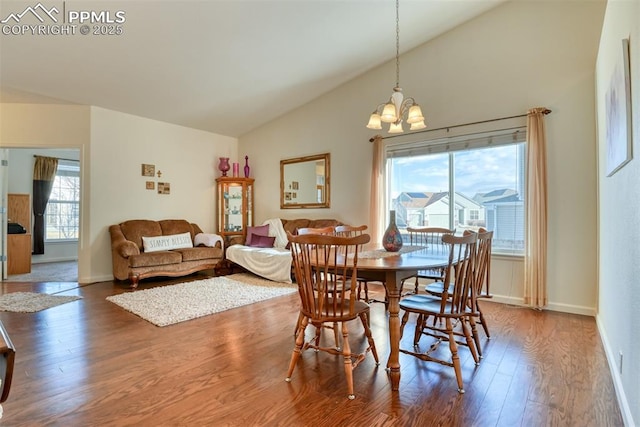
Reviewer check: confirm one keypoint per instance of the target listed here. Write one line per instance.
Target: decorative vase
(236, 170)
(224, 165)
(247, 169)
(392, 239)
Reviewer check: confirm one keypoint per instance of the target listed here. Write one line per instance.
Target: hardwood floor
(91, 363)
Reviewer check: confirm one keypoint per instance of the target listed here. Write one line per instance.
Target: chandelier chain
(399, 109)
(397, 43)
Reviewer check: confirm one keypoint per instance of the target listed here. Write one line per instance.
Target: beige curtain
(377, 196)
(535, 263)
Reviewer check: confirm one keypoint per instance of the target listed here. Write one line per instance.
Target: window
(467, 183)
(62, 216)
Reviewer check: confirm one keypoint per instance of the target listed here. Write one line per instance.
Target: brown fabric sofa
(293, 225)
(131, 262)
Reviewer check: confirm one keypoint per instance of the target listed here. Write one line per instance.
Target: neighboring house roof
(507, 199)
(415, 200)
(483, 198)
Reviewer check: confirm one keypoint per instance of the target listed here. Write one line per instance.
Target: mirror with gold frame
(304, 182)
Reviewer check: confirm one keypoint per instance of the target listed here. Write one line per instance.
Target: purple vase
(223, 166)
(392, 239)
(247, 169)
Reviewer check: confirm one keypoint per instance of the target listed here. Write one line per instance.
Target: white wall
(517, 56)
(112, 148)
(187, 158)
(619, 204)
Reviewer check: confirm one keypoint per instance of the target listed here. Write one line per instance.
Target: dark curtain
(44, 172)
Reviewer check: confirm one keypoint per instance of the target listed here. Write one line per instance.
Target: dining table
(391, 268)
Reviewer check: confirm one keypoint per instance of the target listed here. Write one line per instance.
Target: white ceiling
(222, 66)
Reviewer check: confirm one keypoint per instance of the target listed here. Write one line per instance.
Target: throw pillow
(260, 229)
(165, 243)
(262, 241)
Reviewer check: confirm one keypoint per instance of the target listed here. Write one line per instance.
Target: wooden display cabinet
(235, 207)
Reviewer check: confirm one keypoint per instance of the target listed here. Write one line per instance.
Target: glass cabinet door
(235, 206)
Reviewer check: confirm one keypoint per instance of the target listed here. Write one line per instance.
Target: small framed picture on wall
(164, 188)
(148, 170)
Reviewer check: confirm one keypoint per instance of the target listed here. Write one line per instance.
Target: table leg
(393, 364)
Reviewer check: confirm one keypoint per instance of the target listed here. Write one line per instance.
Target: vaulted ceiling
(220, 66)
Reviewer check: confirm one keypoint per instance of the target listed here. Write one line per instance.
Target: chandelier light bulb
(395, 127)
(415, 114)
(389, 113)
(374, 121)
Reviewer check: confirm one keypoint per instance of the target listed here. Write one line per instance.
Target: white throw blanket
(277, 230)
(270, 263)
(208, 240)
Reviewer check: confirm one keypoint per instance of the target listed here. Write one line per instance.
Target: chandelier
(398, 109)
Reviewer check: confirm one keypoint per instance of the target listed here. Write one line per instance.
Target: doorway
(59, 263)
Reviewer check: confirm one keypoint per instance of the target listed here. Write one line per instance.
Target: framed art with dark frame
(618, 114)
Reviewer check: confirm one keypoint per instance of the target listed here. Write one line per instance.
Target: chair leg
(348, 366)
(454, 355)
(483, 321)
(364, 317)
(405, 319)
(415, 291)
(362, 284)
(298, 348)
(336, 335)
(417, 333)
(473, 341)
(476, 336)
(319, 327)
(298, 322)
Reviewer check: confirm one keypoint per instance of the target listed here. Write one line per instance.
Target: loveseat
(174, 247)
(265, 250)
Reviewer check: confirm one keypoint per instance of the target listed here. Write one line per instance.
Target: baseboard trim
(623, 402)
(564, 308)
(50, 260)
(95, 279)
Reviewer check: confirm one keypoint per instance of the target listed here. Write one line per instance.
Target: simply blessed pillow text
(165, 243)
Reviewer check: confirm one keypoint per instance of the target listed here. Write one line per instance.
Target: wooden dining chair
(454, 308)
(325, 268)
(483, 276)
(482, 280)
(328, 230)
(317, 230)
(431, 239)
(352, 231)
(7, 360)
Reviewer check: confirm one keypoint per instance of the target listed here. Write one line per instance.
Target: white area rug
(30, 302)
(171, 304)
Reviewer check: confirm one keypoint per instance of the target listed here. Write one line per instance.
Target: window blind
(458, 143)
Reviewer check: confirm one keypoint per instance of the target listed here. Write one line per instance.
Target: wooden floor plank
(89, 362)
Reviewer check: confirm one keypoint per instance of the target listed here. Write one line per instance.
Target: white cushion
(165, 243)
(208, 239)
